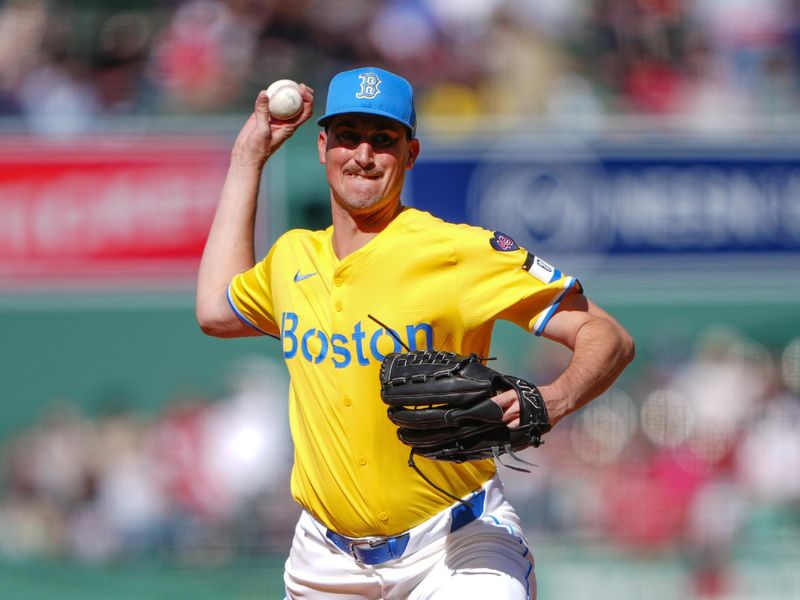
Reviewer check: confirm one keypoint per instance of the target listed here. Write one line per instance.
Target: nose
(364, 155)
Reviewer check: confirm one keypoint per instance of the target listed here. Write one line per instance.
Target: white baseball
(285, 99)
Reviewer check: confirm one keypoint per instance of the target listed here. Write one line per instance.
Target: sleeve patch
(502, 242)
(541, 270)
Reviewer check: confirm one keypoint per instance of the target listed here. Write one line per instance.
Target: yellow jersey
(436, 285)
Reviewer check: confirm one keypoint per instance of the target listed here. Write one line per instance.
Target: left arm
(601, 349)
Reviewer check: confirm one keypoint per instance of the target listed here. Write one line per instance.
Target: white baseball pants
(488, 558)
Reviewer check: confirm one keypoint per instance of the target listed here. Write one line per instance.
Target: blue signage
(578, 198)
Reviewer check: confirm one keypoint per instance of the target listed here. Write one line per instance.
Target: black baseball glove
(441, 403)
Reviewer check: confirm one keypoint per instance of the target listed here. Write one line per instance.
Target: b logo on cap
(369, 86)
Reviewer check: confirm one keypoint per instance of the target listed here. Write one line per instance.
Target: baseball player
(371, 527)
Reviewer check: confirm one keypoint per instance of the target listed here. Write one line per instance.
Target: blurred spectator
(247, 441)
(124, 507)
(707, 101)
(768, 458)
(727, 378)
(121, 60)
(22, 25)
(574, 102)
(202, 58)
(522, 66)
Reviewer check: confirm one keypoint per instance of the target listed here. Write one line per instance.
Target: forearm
(601, 350)
(229, 248)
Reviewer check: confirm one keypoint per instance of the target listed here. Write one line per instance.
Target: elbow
(206, 325)
(223, 324)
(209, 324)
(627, 347)
(213, 312)
(620, 342)
(210, 329)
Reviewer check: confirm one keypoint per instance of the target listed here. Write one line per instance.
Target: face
(365, 158)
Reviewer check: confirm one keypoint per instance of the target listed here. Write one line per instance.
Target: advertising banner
(666, 197)
(106, 209)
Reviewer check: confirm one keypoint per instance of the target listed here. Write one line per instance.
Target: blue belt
(377, 550)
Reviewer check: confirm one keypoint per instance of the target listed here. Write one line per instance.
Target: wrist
(558, 403)
(244, 167)
(247, 161)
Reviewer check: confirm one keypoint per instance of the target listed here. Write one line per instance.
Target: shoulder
(420, 222)
(304, 238)
(466, 241)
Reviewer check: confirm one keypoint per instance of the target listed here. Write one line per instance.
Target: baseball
(285, 100)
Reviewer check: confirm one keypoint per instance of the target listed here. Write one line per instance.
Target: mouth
(371, 175)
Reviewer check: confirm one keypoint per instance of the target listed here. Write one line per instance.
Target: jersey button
(338, 306)
(383, 516)
(362, 460)
(337, 281)
(347, 401)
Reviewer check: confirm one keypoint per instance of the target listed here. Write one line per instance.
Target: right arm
(229, 248)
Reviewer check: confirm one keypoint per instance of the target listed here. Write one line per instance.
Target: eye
(347, 136)
(382, 140)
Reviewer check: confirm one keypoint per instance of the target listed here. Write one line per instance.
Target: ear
(322, 144)
(413, 153)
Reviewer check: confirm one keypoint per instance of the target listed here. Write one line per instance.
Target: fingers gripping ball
(442, 404)
(285, 99)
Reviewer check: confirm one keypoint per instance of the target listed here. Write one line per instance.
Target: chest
(356, 311)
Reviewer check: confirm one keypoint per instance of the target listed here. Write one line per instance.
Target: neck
(352, 230)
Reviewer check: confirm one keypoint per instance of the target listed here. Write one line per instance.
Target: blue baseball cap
(373, 91)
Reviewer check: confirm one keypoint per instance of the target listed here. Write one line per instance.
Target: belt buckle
(365, 543)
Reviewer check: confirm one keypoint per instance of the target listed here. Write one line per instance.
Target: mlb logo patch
(503, 242)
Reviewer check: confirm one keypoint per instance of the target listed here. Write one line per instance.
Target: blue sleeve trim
(244, 319)
(542, 321)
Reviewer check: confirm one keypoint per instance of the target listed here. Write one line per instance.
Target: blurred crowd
(67, 65)
(697, 454)
(205, 480)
